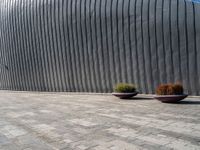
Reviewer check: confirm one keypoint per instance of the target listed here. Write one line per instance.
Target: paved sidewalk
(45, 121)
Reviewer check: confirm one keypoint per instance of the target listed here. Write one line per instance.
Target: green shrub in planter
(125, 88)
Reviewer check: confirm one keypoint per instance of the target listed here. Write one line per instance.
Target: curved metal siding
(89, 45)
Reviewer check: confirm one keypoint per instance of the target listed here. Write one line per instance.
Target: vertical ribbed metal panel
(90, 45)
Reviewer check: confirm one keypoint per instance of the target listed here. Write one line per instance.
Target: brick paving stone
(70, 121)
(4, 140)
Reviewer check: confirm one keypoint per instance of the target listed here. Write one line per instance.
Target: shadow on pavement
(141, 98)
(189, 102)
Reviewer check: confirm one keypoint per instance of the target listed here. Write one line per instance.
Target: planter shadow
(188, 102)
(141, 98)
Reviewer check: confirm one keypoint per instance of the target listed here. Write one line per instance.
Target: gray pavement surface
(63, 121)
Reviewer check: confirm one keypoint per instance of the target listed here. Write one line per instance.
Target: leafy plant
(124, 88)
(178, 89)
(170, 89)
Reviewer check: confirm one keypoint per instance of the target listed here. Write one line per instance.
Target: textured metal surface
(89, 45)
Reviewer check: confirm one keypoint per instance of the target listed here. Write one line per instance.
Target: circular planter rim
(116, 93)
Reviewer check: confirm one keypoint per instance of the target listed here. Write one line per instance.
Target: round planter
(170, 98)
(125, 95)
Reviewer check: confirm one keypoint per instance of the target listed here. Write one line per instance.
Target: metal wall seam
(111, 45)
(65, 77)
(191, 48)
(96, 49)
(147, 47)
(91, 45)
(46, 74)
(15, 45)
(40, 42)
(135, 49)
(67, 46)
(22, 56)
(37, 49)
(187, 48)
(131, 77)
(56, 49)
(1, 45)
(78, 64)
(197, 52)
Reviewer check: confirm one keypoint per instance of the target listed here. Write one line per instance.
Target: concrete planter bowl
(170, 98)
(125, 95)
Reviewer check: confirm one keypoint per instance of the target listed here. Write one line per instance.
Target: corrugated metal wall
(89, 45)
